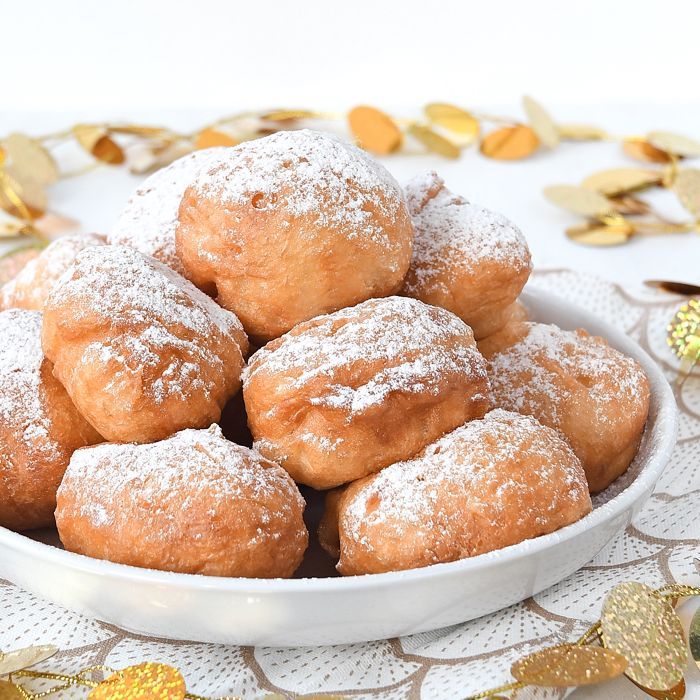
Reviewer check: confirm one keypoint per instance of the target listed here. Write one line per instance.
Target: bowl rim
(665, 426)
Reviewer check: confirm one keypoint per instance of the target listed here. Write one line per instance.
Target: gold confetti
(433, 141)
(208, 138)
(640, 149)
(675, 693)
(646, 630)
(687, 187)
(674, 143)
(622, 180)
(596, 234)
(581, 132)
(18, 659)
(9, 691)
(374, 130)
(579, 200)
(569, 664)
(510, 143)
(97, 141)
(540, 121)
(694, 638)
(456, 120)
(29, 159)
(148, 680)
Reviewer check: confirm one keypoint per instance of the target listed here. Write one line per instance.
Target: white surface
(344, 610)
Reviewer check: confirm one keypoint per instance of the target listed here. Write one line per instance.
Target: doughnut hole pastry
(489, 484)
(194, 503)
(29, 289)
(291, 226)
(466, 259)
(343, 395)
(141, 351)
(149, 218)
(39, 425)
(596, 396)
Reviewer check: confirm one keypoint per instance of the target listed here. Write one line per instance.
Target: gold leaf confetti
(640, 149)
(674, 143)
(454, 119)
(375, 131)
(629, 205)
(9, 691)
(540, 121)
(97, 141)
(581, 132)
(675, 693)
(24, 199)
(684, 335)
(208, 138)
(579, 200)
(645, 629)
(18, 659)
(569, 664)
(510, 143)
(433, 141)
(145, 681)
(621, 180)
(30, 159)
(687, 187)
(694, 633)
(595, 234)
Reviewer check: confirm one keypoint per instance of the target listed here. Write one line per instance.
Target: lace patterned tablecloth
(661, 546)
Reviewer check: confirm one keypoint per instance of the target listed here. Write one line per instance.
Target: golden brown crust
(489, 484)
(141, 351)
(292, 226)
(39, 425)
(194, 503)
(346, 394)
(597, 397)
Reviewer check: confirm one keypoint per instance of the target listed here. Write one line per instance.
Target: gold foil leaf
(640, 149)
(19, 659)
(210, 137)
(540, 121)
(675, 693)
(283, 115)
(433, 141)
(149, 681)
(674, 143)
(687, 187)
(645, 629)
(627, 204)
(375, 131)
(30, 159)
(10, 691)
(454, 119)
(694, 633)
(25, 200)
(96, 140)
(568, 665)
(510, 143)
(579, 200)
(581, 132)
(600, 234)
(621, 180)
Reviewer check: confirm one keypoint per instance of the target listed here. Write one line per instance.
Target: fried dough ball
(596, 396)
(466, 259)
(141, 351)
(149, 218)
(39, 425)
(194, 503)
(291, 226)
(345, 394)
(489, 484)
(31, 286)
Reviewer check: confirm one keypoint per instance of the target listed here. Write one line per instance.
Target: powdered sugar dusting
(298, 171)
(149, 219)
(178, 469)
(532, 368)
(476, 462)
(450, 232)
(151, 312)
(21, 407)
(410, 341)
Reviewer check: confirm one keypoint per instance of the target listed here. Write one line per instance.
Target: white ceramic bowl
(315, 611)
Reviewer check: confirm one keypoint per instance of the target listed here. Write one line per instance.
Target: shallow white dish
(315, 611)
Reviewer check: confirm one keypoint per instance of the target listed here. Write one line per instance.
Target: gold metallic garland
(29, 165)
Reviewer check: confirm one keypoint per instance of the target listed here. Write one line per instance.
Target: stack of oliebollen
(376, 337)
